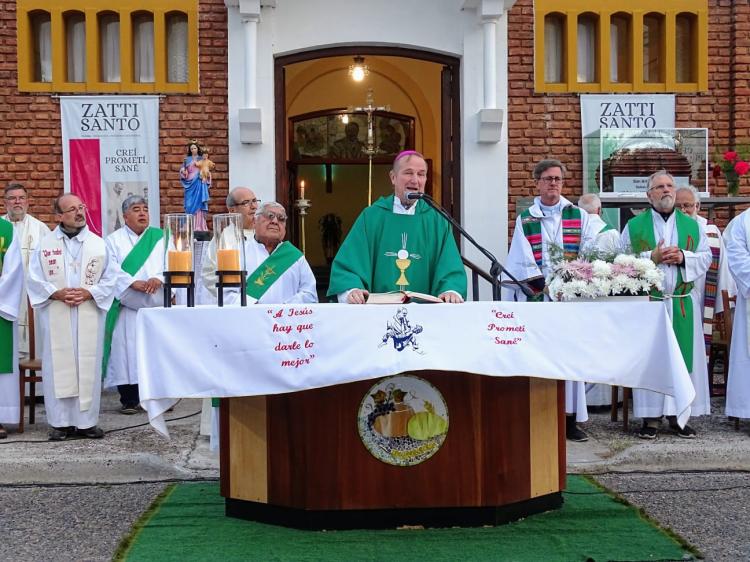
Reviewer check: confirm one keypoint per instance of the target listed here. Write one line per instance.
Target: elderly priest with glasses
(278, 272)
(71, 284)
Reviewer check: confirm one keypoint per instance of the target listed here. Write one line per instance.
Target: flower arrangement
(733, 167)
(624, 275)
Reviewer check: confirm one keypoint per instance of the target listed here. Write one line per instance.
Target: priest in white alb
(28, 231)
(137, 249)
(11, 286)
(71, 286)
(278, 273)
(737, 244)
(677, 244)
(552, 228)
(240, 200)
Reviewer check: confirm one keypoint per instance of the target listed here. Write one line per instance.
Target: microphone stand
(496, 268)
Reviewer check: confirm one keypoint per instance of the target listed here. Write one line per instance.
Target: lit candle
(302, 189)
(229, 260)
(180, 261)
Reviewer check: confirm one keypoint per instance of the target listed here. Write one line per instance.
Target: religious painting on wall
(338, 136)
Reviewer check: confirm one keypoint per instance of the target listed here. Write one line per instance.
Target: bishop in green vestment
(399, 244)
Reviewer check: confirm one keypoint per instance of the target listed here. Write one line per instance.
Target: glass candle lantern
(230, 245)
(178, 230)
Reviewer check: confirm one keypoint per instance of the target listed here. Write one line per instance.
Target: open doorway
(321, 131)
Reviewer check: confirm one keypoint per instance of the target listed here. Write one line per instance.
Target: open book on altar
(400, 297)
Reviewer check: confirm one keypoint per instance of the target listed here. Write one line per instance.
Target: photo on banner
(110, 152)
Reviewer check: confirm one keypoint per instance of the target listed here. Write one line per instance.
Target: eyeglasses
(80, 209)
(661, 186)
(270, 215)
(247, 202)
(16, 198)
(551, 179)
(686, 205)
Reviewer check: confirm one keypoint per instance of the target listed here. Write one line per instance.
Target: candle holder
(179, 272)
(302, 205)
(229, 239)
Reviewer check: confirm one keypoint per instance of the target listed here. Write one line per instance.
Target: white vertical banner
(110, 152)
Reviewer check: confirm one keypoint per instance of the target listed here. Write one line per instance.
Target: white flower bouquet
(625, 275)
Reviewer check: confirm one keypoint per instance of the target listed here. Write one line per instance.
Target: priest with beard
(677, 244)
(71, 285)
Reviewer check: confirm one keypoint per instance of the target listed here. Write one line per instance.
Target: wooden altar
(297, 459)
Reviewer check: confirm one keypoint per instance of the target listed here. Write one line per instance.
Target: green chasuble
(642, 238)
(6, 326)
(386, 252)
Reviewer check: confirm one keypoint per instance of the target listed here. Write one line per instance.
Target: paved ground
(75, 500)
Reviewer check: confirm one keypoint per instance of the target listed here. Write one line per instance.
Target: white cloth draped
(29, 232)
(245, 351)
(122, 360)
(63, 412)
(11, 287)
(738, 258)
(520, 263)
(649, 404)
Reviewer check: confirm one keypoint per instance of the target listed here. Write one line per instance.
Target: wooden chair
(720, 344)
(34, 367)
(625, 402)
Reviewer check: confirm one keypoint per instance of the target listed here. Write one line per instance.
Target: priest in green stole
(11, 289)
(137, 249)
(399, 244)
(677, 244)
(278, 272)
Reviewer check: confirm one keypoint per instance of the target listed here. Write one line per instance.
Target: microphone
(416, 195)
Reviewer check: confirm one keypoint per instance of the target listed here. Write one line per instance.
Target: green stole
(570, 222)
(642, 238)
(130, 265)
(6, 326)
(272, 268)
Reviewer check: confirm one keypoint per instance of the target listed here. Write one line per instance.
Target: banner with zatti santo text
(110, 152)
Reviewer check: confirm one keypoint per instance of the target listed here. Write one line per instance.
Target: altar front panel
(317, 461)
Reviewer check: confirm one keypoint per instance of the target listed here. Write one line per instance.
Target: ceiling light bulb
(358, 73)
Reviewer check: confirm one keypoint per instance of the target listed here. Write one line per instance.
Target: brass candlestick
(302, 205)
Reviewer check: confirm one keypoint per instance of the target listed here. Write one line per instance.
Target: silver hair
(265, 205)
(133, 200)
(658, 173)
(590, 203)
(691, 189)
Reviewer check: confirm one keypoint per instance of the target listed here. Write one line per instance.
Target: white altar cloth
(269, 349)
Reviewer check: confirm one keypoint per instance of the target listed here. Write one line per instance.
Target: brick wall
(32, 153)
(549, 125)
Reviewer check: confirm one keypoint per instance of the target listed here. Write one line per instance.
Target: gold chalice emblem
(402, 262)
